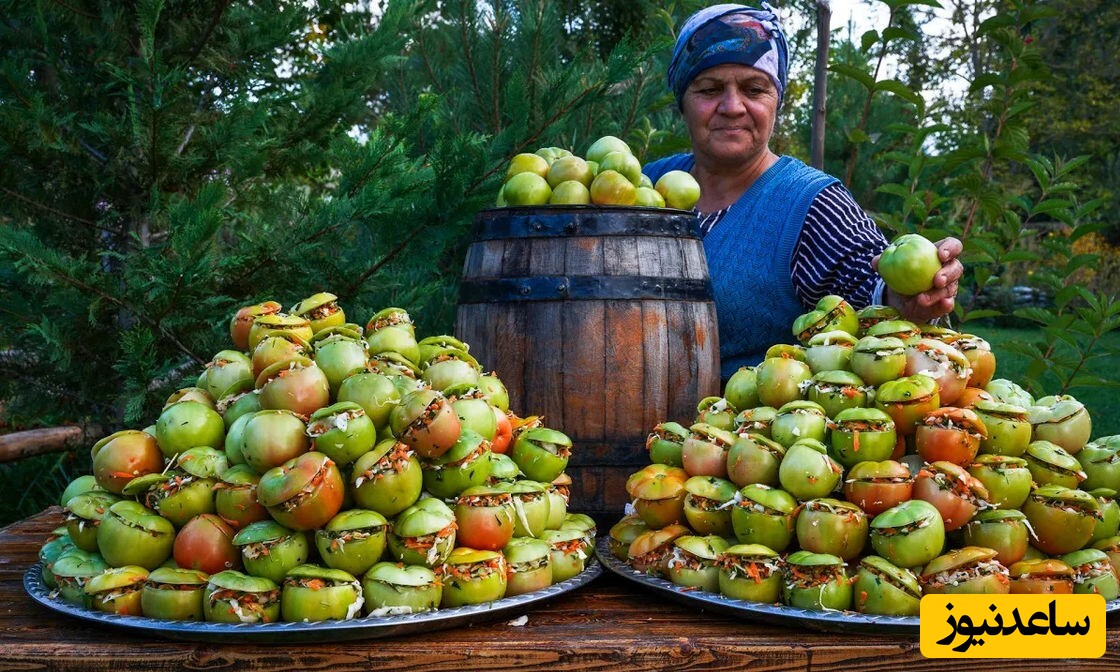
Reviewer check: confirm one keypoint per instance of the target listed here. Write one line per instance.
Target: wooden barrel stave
(604, 371)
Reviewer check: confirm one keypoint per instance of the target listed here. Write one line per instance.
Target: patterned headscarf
(730, 34)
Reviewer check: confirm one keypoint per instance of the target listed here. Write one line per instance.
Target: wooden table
(609, 624)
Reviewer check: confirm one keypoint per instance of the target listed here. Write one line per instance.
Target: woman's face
(730, 112)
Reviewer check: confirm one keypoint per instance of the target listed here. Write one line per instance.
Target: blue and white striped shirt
(833, 252)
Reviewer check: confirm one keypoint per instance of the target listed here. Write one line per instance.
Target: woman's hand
(938, 301)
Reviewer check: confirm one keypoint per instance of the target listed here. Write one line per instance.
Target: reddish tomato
(206, 543)
(954, 492)
(485, 516)
(878, 486)
(119, 458)
(950, 434)
(899, 448)
(303, 493)
(502, 437)
(971, 395)
(1041, 577)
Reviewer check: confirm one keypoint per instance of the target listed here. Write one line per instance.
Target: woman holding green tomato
(778, 235)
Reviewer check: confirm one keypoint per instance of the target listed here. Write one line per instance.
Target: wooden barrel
(599, 319)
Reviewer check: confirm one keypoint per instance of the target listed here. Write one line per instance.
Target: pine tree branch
(361, 181)
(75, 10)
(435, 81)
(632, 113)
(53, 211)
(526, 142)
(186, 139)
(495, 67)
(854, 158)
(558, 113)
(532, 70)
(210, 28)
(105, 296)
(468, 60)
(15, 90)
(389, 256)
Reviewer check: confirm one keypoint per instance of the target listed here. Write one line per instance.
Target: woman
(778, 234)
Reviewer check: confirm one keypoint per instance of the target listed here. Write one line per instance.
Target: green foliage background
(166, 162)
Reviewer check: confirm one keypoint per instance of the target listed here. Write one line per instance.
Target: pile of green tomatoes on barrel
(321, 470)
(872, 462)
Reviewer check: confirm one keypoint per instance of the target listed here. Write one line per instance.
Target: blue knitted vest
(749, 253)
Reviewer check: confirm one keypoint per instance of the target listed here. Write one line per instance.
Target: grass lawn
(1103, 402)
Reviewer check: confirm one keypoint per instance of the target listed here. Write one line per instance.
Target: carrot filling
(117, 593)
(338, 540)
(337, 421)
(427, 541)
(961, 487)
(473, 571)
(174, 586)
(1091, 570)
(1075, 508)
(757, 507)
(654, 558)
(702, 503)
(391, 320)
(958, 575)
(902, 529)
(248, 606)
(813, 576)
(325, 310)
(428, 416)
(490, 499)
(393, 462)
(756, 570)
(682, 559)
(529, 565)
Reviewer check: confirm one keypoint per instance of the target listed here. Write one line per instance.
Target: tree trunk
(820, 84)
(18, 445)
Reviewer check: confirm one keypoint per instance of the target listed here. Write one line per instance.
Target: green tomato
(764, 515)
(909, 264)
(750, 572)
(233, 597)
(816, 581)
(270, 550)
(881, 587)
(132, 534)
(390, 588)
(187, 424)
(174, 594)
(352, 541)
(312, 593)
(909, 534)
(473, 576)
(605, 145)
(530, 565)
(679, 189)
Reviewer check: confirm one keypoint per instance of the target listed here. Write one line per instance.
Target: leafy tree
(167, 162)
(1011, 206)
(1076, 111)
(844, 132)
(161, 169)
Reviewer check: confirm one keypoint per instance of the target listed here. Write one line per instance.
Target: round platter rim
(773, 614)
(366, 627)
